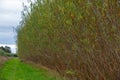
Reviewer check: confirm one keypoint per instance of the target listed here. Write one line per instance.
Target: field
(14, 69)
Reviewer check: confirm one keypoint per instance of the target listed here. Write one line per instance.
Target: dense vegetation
(78, 38)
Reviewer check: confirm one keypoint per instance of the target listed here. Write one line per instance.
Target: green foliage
(78, 35)
(3, 53)
(6, 49)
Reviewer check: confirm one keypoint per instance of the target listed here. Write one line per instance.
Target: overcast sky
(10, 15)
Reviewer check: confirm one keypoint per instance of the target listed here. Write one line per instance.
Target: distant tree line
(6, 49)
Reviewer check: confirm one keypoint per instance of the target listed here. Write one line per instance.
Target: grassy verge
(16, 70)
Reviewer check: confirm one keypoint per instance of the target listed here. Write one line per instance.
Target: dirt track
(3, 59)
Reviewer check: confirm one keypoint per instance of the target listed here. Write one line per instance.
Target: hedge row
(78, 38)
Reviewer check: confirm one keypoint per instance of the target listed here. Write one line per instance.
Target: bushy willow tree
(78, 38)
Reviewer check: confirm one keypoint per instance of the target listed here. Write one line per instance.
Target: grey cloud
(6, 28)
(7, 40)
(10, 16)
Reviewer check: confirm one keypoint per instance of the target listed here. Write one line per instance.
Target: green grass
(16, 70)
